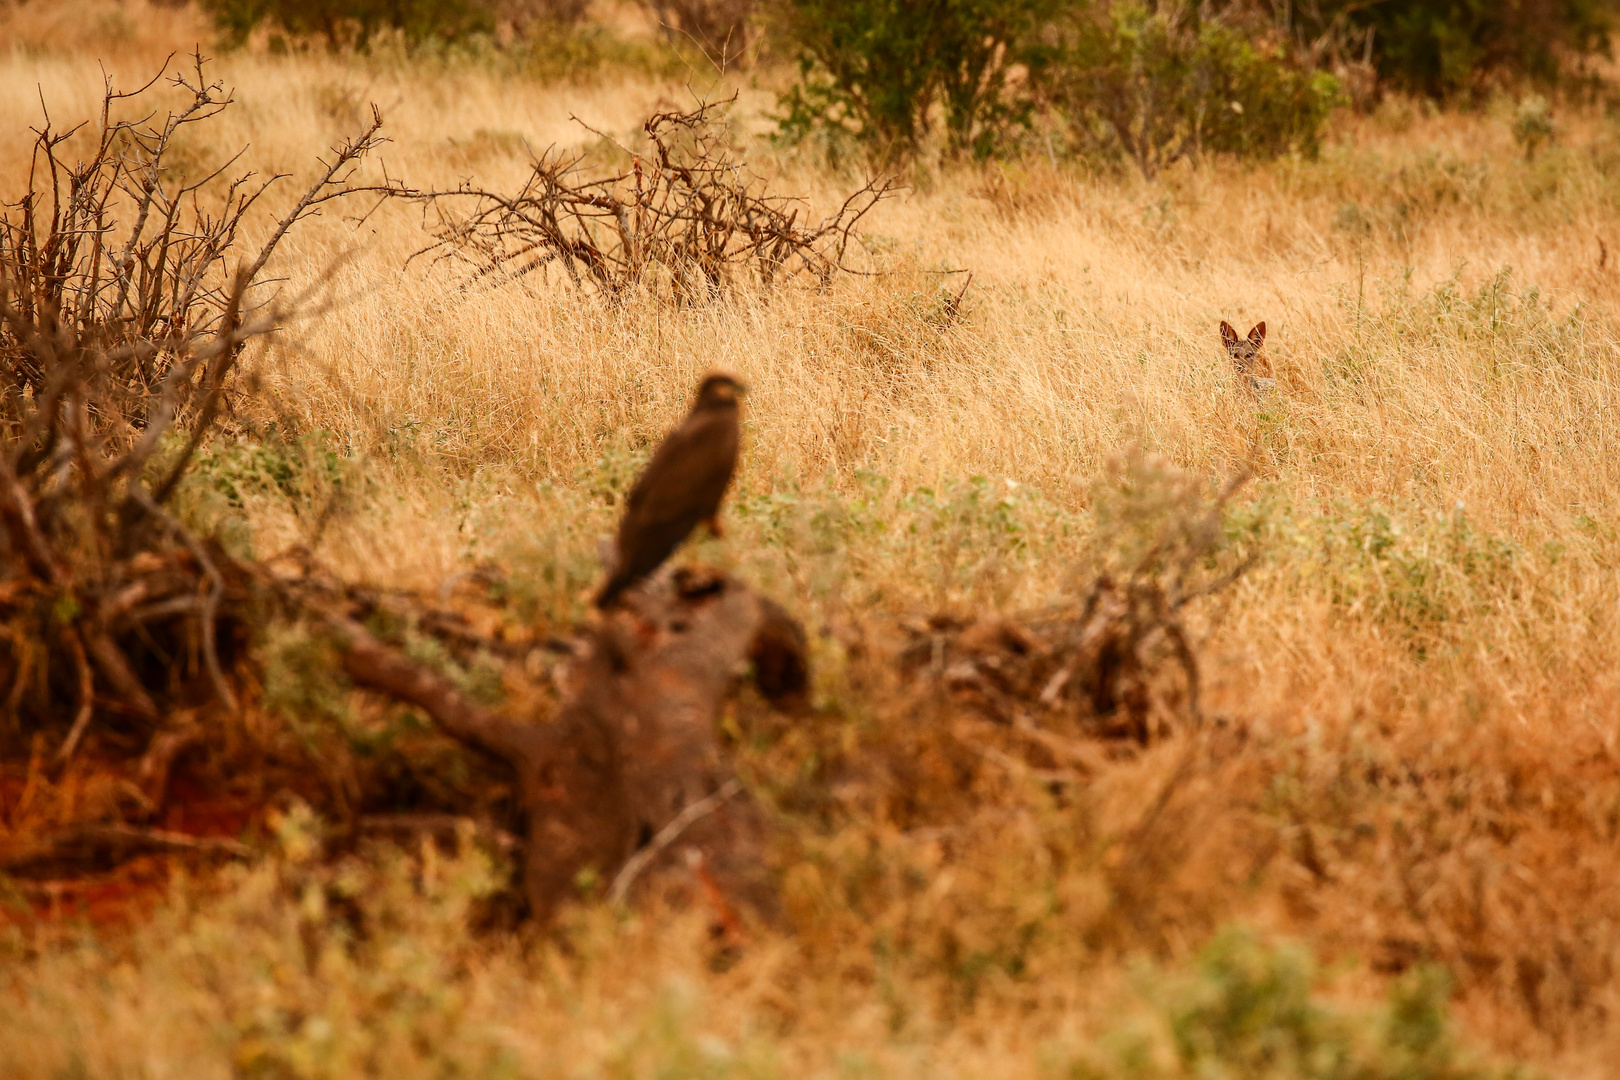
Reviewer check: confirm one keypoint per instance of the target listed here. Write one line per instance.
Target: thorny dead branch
(683, 222)
(121, 320)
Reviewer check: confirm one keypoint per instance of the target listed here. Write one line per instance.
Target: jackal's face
(1245, 352)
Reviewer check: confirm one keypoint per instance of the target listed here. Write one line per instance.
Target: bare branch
(685, 223)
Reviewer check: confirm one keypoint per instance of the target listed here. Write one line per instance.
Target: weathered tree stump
(627, 782)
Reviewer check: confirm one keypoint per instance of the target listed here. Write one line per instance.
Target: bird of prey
(681, 486)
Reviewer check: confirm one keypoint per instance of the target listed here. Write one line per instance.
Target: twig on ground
(633, 866)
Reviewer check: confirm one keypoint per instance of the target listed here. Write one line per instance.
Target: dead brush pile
(125, 305)
(1012, 792)
(685, 222)
(126, 302)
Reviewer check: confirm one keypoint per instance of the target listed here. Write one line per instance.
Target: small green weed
(303, 683)
(1422, 570)
(1251, 1010)
(306, 475)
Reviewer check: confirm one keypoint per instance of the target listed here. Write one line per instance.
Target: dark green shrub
(893, 72)
(1151, 86)
(353, 23)
(1441, 48)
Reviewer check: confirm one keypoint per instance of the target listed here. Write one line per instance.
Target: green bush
(1533, 125)
(586, 52)
(1153, 87)
(893, 72)
(353, 23)
(1149, 84)
(1423, 571)
(1250, 1010)
(1441, 48)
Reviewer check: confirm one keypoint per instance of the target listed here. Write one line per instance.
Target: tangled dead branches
(683, 222)
(122, 319)
(1122, 667)
(123, 255)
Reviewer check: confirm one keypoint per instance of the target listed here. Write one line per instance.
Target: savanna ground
(1414, 696)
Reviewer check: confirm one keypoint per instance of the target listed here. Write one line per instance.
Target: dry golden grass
(1421, 680)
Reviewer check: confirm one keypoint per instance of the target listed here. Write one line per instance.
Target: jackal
(1253, 370)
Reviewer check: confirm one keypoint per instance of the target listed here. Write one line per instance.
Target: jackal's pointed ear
(1229, 336)
(1257, 336)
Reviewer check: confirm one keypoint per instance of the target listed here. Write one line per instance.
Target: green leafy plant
(1252, 1009)
(895, 73)
(1443, 48)
(1148, 82)
(1421, 571)
(1143, 83)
